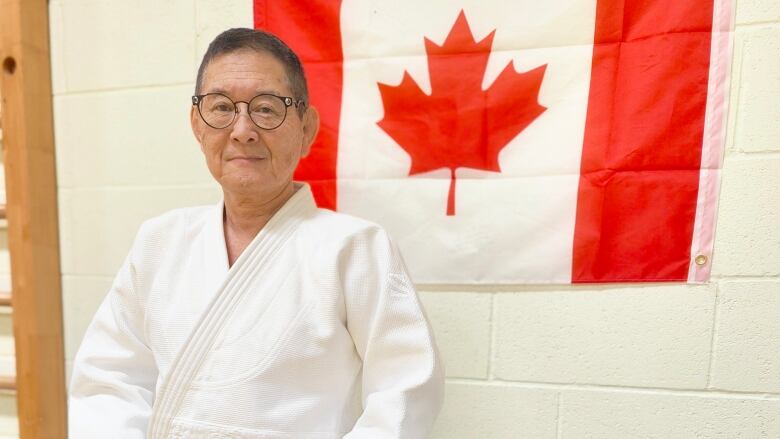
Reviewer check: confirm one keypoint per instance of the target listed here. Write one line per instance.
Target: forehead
(245, 69)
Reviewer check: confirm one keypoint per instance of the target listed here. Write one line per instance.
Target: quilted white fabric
(316, 332)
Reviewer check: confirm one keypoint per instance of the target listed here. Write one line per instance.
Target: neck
(246, 215)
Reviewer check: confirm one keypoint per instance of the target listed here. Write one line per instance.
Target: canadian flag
(523, 141)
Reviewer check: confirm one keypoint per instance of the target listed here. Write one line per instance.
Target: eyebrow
(257, 92)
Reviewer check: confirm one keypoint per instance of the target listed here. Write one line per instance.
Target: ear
(197, 125)
(311, 126)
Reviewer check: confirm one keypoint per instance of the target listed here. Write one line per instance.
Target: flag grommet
(700, 260)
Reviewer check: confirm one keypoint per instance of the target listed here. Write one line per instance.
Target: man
(262, 316)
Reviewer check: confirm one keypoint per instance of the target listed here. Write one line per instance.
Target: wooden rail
(5, 298)
(33, 236)
(8, 383)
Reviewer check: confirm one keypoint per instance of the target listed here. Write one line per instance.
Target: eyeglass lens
(267, 111)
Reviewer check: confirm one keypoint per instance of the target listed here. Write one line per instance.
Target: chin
(243, 184)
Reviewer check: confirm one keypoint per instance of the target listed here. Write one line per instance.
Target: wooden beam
(31, 188)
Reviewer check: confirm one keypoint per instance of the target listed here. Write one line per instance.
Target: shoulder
(350, 241)
(359, 254)
(157, 233)
(338, 228)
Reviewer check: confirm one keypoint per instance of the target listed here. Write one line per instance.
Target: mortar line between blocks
(756, 24)
(559, 422)
(736, 153)
(90, 275)
(713, 335)
(139, 188)
(71, 276)
(62, 45)
(735, 80)
(122, 88)
(492, 345)
(747, 277)
(519, 288)
(726, 394)
(195, 35)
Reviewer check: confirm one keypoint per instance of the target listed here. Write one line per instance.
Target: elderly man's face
(247, 160)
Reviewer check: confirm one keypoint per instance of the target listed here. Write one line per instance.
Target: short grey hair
(236, 39)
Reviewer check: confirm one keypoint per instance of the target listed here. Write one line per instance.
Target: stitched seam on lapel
(193, 352)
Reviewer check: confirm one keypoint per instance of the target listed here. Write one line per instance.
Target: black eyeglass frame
(286, 100)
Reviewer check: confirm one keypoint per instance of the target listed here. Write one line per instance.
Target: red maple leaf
(459, 124)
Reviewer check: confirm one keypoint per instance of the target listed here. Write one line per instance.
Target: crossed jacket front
(316, 331)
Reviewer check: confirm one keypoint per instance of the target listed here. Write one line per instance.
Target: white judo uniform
(315, 332)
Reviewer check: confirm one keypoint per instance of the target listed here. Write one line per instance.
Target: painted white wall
(608, 362)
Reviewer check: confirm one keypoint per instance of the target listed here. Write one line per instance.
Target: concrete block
(127, 138)
(652, 336)
(97, 226)
(747, 237)
(461, 323)
(2, 185)
(758, 106)
(5, 280)
(57, 47)
(7, 365)
(757, 11)
(127, 44)
(5, 254)
(7, 345)
(9, 424)
(81, 296)
(215, 17)
(68, 372)
(746, 355)
(622, 415)
(496, 411)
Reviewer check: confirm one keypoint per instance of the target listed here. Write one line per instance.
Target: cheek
(293, 155)
(212, 144)
(286, 147)
(212, 149)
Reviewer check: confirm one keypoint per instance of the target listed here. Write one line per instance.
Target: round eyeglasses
(267, 111)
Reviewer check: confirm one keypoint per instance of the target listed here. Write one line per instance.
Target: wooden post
(31, 189)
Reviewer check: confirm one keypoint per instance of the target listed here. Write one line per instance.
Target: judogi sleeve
(114, 374)
(403, 377)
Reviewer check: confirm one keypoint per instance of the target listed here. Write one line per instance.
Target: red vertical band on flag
(314, 33)
(643, 141)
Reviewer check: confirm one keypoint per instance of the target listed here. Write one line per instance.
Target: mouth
(246, 158)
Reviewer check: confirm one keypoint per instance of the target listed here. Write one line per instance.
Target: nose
(244, 130)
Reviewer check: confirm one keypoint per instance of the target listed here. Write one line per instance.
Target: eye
(223, 107)
(264, 109)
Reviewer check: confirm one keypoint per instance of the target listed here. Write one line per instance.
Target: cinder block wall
(608, 362)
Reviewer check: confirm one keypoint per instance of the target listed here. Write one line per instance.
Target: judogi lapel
(248, 269)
